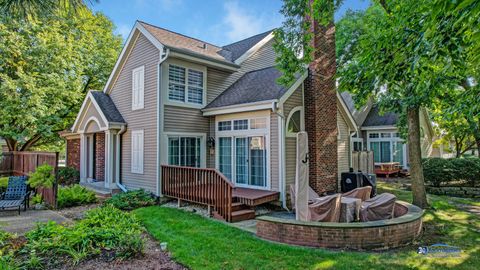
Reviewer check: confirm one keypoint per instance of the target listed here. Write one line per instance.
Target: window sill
(184, 104)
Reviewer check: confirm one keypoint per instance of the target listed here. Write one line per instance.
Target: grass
(201, 243)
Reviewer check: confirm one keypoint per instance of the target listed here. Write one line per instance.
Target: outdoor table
(350, 209)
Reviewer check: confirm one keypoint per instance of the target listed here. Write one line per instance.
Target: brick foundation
(73, 153)
(374, 235)
(100, 156)
(321, 111)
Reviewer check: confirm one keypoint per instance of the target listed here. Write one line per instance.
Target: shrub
(37, 199)
(131, 200)
(105, 230)
(74, 196)
(451, 172)
(3, 183)
(42, 177)
(68, 176)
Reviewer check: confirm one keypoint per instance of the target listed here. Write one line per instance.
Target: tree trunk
(415, 156)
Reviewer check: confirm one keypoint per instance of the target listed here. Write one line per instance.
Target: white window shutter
(137, 88)
(137, 151)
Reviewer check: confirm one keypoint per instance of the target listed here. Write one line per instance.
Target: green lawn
(201, 243)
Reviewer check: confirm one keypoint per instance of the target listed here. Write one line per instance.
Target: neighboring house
(378, 133)
(176, 100)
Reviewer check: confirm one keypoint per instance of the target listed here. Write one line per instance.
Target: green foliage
(33, 9)
(452, 172)
(68, 176)
(103, 229)
(3, 183)
(74, 196)
(42, 86)
(42, 177)
(37, 199)
(131, 200)
(7, 251)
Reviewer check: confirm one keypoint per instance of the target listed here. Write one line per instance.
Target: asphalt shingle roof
(228, 53)
(375, 119)
(254, 86)
(107, 106)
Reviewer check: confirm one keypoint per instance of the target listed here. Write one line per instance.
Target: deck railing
(199, 185)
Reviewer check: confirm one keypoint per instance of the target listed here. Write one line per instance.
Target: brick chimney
(321, 110)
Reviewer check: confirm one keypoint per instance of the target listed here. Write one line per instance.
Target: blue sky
(216, 21)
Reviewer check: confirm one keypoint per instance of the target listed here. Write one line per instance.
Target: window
(357, 146)
(373, 135)
(225, 156)
(137, 88)
(258, 123)
(224, 125)
(385, 135)
(294, 122)
(185, 85)
(184, 151)
(398, 152)
(137, 151)
(240, 124)
(381, 151)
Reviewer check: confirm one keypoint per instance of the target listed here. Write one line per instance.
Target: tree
(408, 58)
(28, 9)
(46, 67)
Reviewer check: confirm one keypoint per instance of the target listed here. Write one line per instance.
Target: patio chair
(362, 193)
(312, 195)
(325, 209)
(378, 208)
(16, 195)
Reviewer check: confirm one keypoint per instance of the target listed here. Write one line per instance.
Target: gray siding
(274, 153)
(343, 143)
(146, 54)
(296, 99)
(182, 119)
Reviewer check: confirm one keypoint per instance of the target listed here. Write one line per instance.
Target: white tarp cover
(301, 178)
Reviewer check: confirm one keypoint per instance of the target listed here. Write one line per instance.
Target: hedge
(452, 172)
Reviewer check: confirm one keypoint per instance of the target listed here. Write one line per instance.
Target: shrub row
(104, 231)
(131, 200)
(74, 196)
(452, 172)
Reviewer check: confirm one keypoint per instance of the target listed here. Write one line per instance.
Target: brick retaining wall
(373, 235)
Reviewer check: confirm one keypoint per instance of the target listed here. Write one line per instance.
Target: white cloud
(239, 22)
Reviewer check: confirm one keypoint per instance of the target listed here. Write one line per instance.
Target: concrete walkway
(10, 221)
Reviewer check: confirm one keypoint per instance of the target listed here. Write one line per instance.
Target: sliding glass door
(249, 166)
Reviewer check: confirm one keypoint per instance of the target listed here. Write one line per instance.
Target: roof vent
(204, 46)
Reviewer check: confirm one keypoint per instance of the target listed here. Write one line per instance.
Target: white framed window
(258, 123)
(184, 151)
(240, 124)
(373, 135)
(186, 85)
(224, 125)
(138, 88)
(137, 151)
(387, 147)
(295, 122)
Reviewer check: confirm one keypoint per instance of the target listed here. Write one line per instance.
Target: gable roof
(374, 118)
(254, 86)
(107, 106)
(237, 49)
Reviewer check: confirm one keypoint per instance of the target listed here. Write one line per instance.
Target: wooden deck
(254, 197)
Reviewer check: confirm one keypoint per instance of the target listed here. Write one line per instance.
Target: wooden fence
(24, 163)
(363, 161)
(199, 185)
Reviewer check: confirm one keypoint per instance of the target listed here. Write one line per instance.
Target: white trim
(187, 67)
(140, 104)
(246, 133)
(294, 87)
(239, 108)
(378, 127)
(138, 169)
(254, 49)
(203, 145)
(353, 124)
(302, 121)
(200, 59)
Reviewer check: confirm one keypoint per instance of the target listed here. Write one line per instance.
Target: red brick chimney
(321, 110)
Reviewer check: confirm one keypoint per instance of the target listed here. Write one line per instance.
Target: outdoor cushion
(362, 193)
(378, 208)
(325, 209)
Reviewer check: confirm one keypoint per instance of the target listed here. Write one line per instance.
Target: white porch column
(109, 159)
(83, 157)
(117, 158)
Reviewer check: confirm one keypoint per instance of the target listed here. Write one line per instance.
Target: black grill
(353, 180)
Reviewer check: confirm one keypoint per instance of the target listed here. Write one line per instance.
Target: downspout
(117, 165)
(278, 109)
(163, 56)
